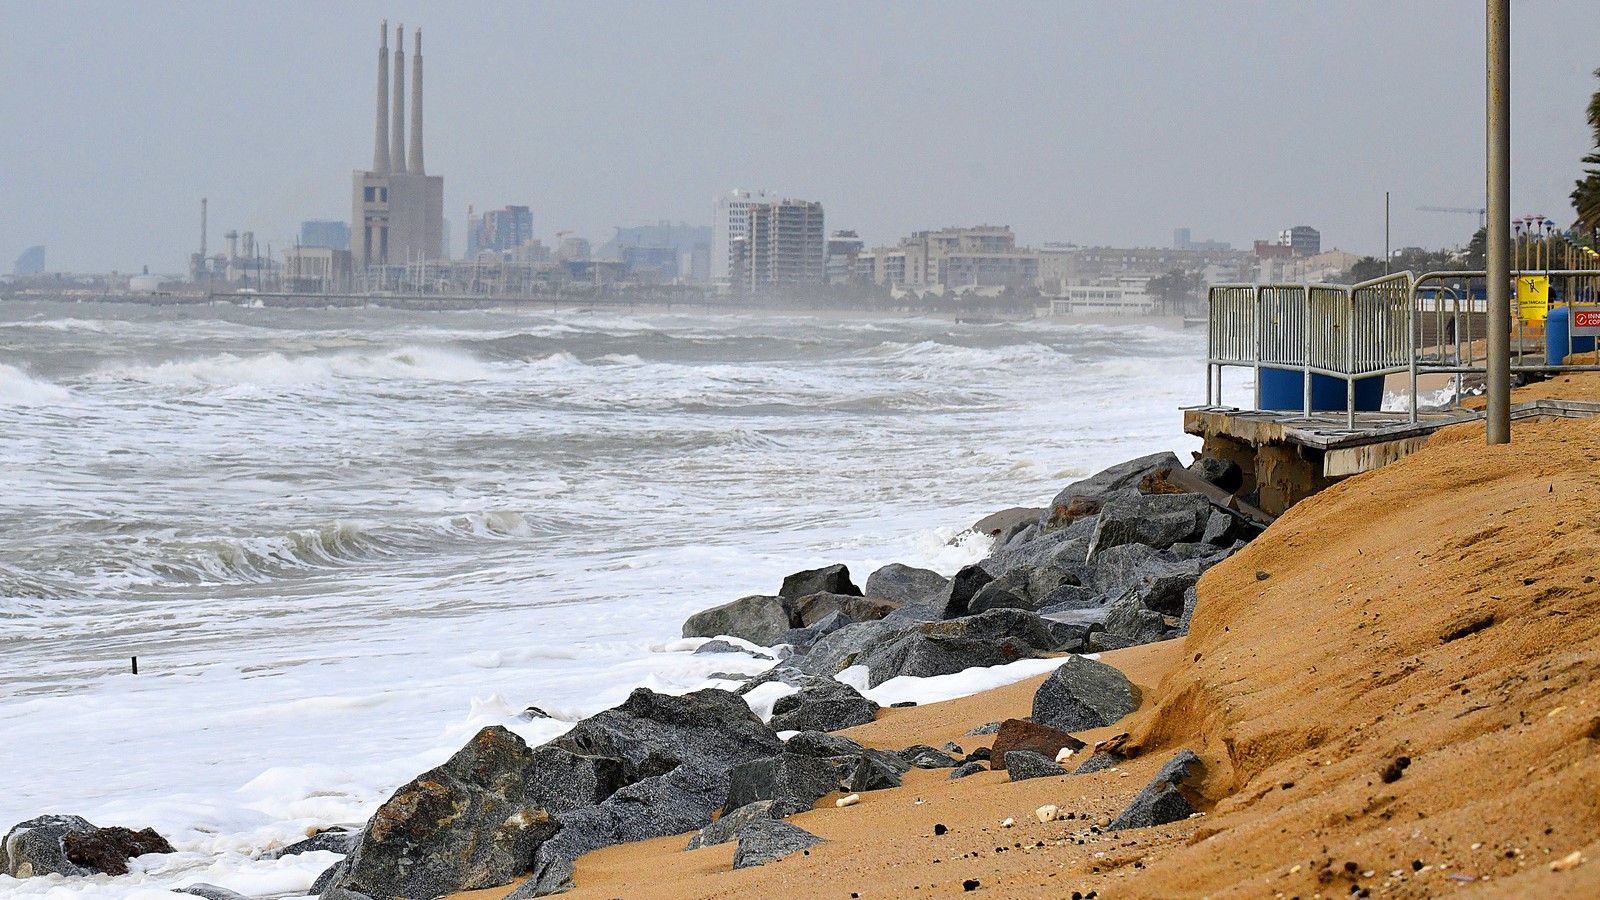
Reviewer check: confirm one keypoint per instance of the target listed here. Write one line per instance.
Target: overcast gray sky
(1090, 122)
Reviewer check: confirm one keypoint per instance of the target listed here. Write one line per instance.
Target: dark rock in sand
(921, 756)
(655, 807)
(1016, 734)
(834, 579)
(824, 705)
(966, 583)
(908, 585)
(1127, 617)
(1222, 529)
(967, 768)
(1158, 521)
(765, 840)
(758, 619)
(1162, 800)
(1105, 642)
(729, 826)
(1082, 694)
(36, 847)
(813, 608)
(821, 745)
(876, 770)
(1099, 762)
(1164, 593)
(109, 849)
(335, 840)
(651, 733)
(1025, 764)
(209, 892)
(990, 638)
(794, 783)
(1224, 473)
(465, 825)
(987, 728)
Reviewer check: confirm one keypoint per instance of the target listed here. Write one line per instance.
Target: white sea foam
(18, 389)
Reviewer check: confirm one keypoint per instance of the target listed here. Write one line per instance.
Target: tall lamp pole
(1498, 238)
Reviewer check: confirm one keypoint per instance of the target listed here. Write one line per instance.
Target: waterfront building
(1302, 240)
(317, 270)
(842, 265)
(1064, 265)
(397, 209)
(729, 216)
(783, 244)
(329, 234)
(498, 229)
(981, 256)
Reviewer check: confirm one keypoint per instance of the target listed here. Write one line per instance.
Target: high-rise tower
(397, 210)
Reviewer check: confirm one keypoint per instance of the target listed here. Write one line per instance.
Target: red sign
(1586, 320)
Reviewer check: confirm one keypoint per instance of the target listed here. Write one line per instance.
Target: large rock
(824, 705)
(990, 638)
(109, 849)
(655, 807)
(1022, 765)
(963, 587)
(1162, 800)
(652, 734)
(37, 846)
(834, 579)
(1017, 734)
(765, 840)
(727, 827)
(792, 782)
(1127, 617)
(843, 648)
(759, 619)
(803, 639)
(876, 770)
(1120, 480)
(1065, 548)
(1023, 587)
(558, 779)
(1119, 568)
(1082, 694)
(1007, 523)
(1223, 473)
(813, 608)
(922, 756)
(1158, 521)
(465, 825)
(908, 586)
(334, 840)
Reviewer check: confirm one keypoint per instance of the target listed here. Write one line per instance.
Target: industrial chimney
(397, 119)
(380, 146)
(415, 163)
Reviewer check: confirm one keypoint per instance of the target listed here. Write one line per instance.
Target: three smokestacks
(389, 147)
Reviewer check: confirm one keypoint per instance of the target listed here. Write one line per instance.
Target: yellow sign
(1533, 297)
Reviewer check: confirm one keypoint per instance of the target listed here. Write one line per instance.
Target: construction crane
(1480, 211)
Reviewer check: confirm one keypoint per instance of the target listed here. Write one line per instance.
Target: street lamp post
(1497, 141)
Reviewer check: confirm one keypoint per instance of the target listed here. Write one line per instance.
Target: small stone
(1008, 823)
(849, 800)
(1262, 575)
(1047, 813)
(1570, 861)
(967, 768)
(971, 884)
(1064, 754)
(940, 829)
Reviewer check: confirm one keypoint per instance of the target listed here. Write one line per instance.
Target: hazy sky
(1090, 122)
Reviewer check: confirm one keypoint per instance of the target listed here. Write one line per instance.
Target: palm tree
(1586, 195)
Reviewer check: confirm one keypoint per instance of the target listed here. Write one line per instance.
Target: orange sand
(1445, 608)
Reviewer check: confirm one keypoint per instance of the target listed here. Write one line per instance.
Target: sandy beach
(1392, 692)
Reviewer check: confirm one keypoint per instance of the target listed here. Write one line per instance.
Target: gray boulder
(335, 840)
(803, 639)
(843, 648)
(821, 745)
(921, 756)
(710, 647)
(1162, 800)
(1119, 480)
(1224, 473)
(1123, 566)
(792, 782)
(1065, 547)
(765, 840)
(1023, 587)
(813, 608)
(728, 826)
(1190, 598)
(1099, 762)
(38, 846)
(1070, 596)
(465, 825)
(876, 770)
(990, 638)
(908, 585)
(558, 779)
(1025, 764)
(1127, 617)
(655, 807)
(1157, 521)
(783, 672)
(1105, 642)
(963, 587)
(652, 734)
(834, 579)
(758, 619)
(1082, 694)
(823, 705)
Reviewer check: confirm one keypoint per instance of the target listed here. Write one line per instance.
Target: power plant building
(397, 210)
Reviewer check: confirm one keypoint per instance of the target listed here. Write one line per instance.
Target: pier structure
(1348, 378)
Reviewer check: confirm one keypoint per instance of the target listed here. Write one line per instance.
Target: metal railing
(1433, 324)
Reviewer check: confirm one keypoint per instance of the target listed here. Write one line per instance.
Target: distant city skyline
(1070, 122)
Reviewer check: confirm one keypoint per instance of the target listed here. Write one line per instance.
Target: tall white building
(730, 219)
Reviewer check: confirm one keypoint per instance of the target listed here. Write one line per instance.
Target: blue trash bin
(1556, 326)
